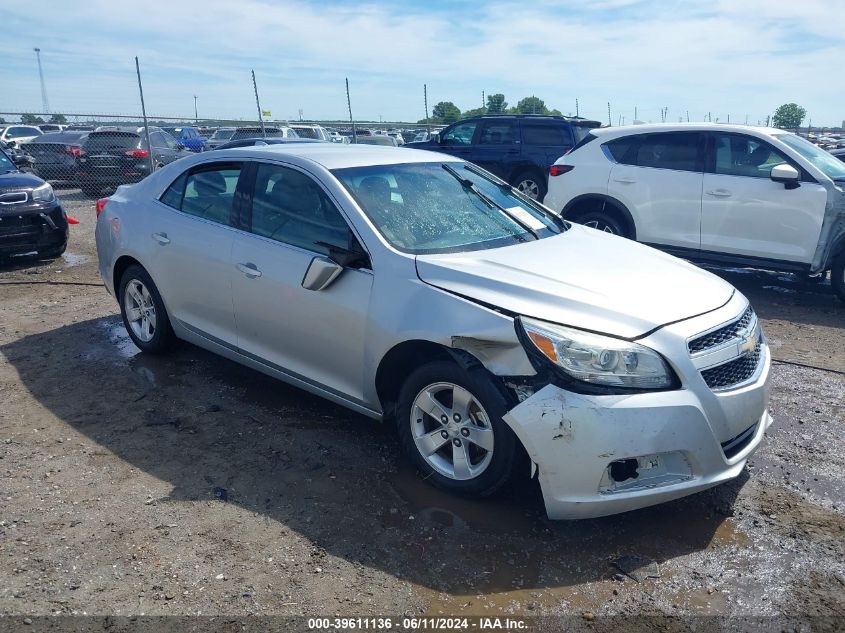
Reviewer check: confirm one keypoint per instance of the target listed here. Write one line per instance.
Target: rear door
(658, 177)
(192, 231)
(497, 147)
(313, 336)
(544, 141)
(744, 212)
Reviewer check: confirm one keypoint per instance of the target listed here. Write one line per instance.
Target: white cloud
(719, 56)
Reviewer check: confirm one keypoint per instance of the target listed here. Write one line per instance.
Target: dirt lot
(189, 485)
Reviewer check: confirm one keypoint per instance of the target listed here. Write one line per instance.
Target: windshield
(424, 208)
(222, 135)
(6, 164)
(824, 161)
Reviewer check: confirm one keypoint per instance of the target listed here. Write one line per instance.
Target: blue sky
(731, 58)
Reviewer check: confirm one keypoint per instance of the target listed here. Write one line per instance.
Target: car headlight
(597, 359)
(44, 193)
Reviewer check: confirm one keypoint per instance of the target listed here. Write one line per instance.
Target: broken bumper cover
(667, 437)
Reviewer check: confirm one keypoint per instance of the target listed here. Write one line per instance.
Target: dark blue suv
(518, 148)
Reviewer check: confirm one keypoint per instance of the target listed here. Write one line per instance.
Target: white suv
(728, 194)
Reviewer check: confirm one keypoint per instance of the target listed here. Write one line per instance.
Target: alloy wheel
(452, 431)
(600, 225)
(140, 310)
(529, 187)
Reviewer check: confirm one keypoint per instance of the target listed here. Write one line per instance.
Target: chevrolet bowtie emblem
(749, 344)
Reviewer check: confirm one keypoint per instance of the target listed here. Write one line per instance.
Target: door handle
(719, 193)
(161, 238)
(250, 270)
(625, 179)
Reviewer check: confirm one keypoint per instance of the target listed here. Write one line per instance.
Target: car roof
(646, 128)
(60, 137)
(339, 156)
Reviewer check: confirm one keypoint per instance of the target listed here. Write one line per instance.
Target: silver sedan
(417, 288)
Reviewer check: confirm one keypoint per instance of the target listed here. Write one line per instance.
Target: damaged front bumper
(604, 454)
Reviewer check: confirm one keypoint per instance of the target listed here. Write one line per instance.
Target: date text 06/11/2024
(417, 624)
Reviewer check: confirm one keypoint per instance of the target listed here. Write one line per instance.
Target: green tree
(59, 119)
(532, 105)
(31, 119)
(445, 112)
(475, 112)
(789, 116)
(496, 103)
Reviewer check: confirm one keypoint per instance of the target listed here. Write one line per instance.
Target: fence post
(144, 115)
(258, 105)
(349, 106)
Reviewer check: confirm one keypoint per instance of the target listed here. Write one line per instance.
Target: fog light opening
(624, 469)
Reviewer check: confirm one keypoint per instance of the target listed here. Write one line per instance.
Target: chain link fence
(95, 153)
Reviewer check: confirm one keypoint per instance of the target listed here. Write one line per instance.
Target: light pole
(45, 105)
(196, 117)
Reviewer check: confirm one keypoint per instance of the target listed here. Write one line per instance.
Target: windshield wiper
(506, 188)
(468, 185)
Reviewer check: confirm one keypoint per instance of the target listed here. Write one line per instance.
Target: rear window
(18, 132)
(111, 140)
(306, 132)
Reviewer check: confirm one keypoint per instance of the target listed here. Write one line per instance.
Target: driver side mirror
(787, 175)
(323, 270)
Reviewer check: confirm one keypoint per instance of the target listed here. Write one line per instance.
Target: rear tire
(531, 184)
(476, 456)
(837, 276)
(143, 312)
(602, 221)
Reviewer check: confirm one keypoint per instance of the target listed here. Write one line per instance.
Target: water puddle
(75, 259)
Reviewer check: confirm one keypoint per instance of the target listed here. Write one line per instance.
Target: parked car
(51, 127)
(20, 158)
(189, 137)
(316, 132)
(417, 288)
(377, 139)
(32, 219)
(518, 148)
(17, 134)
(839, 153)
(398, 137)
(79, 128)
(251, 142)
(727, 194)
(55, 155)
(226, 134)
(118, 156)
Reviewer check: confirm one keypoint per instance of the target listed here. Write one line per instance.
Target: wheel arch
(120, 266)
(619, 207)
(400, 360)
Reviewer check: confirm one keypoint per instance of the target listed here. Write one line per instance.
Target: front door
(316, 336)
(744, 212)
(497, 148)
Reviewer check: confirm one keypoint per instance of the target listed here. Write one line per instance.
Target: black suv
(31, 218)
(518, 148)
(119, 156)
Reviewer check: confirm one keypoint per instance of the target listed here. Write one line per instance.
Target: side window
(206, 192)
(546, 133)
(673, 150)
(461, 134)
(737, 155)
(498, 133)
(290, 207)
(157, 139)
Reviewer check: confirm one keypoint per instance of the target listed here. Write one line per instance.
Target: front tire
(450, 426)
(143, 312)
(837, 275)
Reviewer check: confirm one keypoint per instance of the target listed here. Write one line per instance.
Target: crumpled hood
(584, 278)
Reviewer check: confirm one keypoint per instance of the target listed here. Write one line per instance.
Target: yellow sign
(266, 113)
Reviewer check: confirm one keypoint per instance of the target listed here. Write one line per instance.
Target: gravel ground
(188, 485)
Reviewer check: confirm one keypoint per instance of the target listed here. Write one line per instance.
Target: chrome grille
(723, 334)
(733, 372)
(14, 197)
